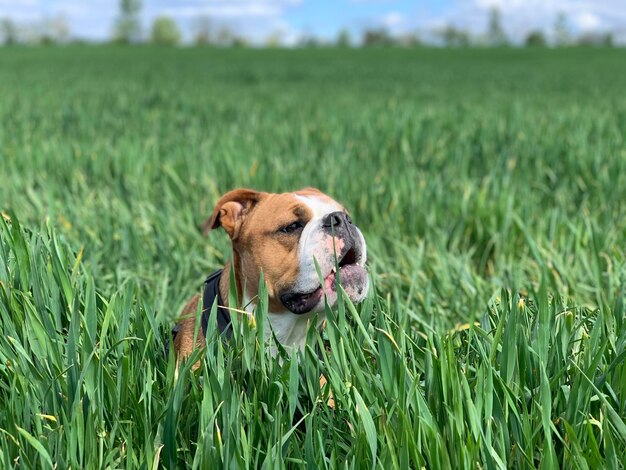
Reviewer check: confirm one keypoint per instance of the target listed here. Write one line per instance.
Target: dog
(283, 236)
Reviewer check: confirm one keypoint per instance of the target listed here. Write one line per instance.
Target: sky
(257, 19)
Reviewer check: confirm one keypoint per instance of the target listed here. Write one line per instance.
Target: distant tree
(46, 40)
(165, 32)
(343, 38)
(454, 37)
(202, 31)
(8, 31)
(377, 38)
(595, 40)
(53, 31)
(535, 39)
(60, 29)
(495, 32)
(239, 41)
(309, 41)
(127, 26)
(225, 36)
(561, 31)
(409, 40)
(274, 39)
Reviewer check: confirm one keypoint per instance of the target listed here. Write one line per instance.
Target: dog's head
(283, 236)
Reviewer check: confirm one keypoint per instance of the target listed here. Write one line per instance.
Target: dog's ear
(229, 210)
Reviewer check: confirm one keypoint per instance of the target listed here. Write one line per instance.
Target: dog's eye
(291, 228)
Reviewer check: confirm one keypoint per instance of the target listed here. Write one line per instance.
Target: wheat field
(490, 186)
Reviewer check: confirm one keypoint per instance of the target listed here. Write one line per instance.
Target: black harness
(210, 295)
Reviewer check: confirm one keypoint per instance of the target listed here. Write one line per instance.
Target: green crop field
(491, 189)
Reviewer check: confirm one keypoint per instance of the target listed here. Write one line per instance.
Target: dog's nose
(336, 219)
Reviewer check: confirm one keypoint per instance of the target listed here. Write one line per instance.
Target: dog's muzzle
(348, 269)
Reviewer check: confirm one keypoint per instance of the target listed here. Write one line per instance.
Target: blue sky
(256, 19)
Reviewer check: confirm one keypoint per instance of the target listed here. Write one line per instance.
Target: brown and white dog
(282, 236)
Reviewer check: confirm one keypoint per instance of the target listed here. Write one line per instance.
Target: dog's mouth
(353, 278)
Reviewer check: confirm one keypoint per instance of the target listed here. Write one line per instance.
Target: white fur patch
(320, 207)
(290, 329)
(315, 245)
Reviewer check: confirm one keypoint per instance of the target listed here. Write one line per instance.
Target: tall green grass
(490, 186)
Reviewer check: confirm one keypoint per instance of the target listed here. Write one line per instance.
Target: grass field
(491, 189)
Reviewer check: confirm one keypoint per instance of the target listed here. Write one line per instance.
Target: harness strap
(211, 295)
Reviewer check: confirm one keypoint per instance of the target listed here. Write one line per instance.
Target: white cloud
(258, 18)
(94, 19)
(587, 21)
(521, 16)
(222, 8)
(393, 20)
(20, 10)
(90, 19)
(506, 4)
(7, 4)
(372, 1)
(227, 11)
(254, 19)
(583, 14)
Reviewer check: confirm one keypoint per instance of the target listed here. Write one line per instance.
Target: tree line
(164, 31)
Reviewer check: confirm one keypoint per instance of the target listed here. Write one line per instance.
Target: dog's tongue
(351, 275)
(329, 282)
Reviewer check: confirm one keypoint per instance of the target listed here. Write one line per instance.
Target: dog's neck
(290, 329)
